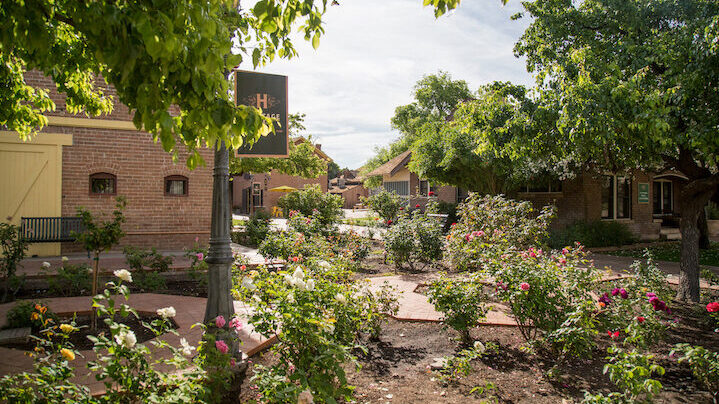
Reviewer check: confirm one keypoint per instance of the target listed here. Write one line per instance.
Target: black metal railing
(49, 229)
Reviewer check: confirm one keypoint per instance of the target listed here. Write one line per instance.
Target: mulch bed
(79, 338)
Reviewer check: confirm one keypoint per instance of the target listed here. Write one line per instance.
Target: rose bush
(489, 225)
(416, 238)
(317, 321)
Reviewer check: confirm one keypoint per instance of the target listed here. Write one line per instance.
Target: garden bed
(79, 338)
(396, 367)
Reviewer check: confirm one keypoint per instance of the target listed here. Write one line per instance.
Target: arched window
(176, 185)
(103, 184)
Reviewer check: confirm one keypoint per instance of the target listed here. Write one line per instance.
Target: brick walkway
(415, 306)
(190, 310)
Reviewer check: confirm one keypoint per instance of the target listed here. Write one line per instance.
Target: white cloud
(372, 54)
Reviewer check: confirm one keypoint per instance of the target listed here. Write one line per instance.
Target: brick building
(648, 203)
(350, 188)
(79, 161)
(397, 178)
(251, 191)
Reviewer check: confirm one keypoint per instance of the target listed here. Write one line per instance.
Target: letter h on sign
(261, 101)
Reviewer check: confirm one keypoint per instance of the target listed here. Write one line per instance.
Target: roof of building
(391, 167)
(338, 190)
(318, 148)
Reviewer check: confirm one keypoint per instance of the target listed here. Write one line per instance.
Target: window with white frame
(616, 197)
(401, 188)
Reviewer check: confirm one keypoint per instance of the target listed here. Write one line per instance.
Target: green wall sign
(643, 194)
(268, 92)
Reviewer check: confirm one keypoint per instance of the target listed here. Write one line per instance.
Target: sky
(372, 54)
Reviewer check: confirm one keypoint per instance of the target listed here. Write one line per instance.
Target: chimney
(341, 182)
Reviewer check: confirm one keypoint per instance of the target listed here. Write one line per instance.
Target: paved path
(190, 310)
(416, 307)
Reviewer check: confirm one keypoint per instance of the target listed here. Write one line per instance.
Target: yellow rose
(67, 354)
(67, 328)
(34, 316)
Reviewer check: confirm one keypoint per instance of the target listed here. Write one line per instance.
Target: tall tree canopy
(636, 85)
(471, 150)
(155, 53)
(436, 97)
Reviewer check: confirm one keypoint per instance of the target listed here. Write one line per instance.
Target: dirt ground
(395, 369)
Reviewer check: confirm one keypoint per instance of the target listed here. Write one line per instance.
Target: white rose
(126, 338)
(46, 265)
(289, 279)
(300, 284)
(65, 259)
(341, 298)
(247, 283)
(479, 347)
(324, 264)
(186, 348)
(291, 298)
(123, 274)
(167, 312)
(311, 285)
(299, 274)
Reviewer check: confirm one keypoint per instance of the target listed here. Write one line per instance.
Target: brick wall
(140, 166)
(275, 179)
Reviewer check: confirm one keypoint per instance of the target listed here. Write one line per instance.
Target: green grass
(239, 222)
(671, 252)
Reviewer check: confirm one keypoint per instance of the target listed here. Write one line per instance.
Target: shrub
(13, 248)
(492, 224)
(311, 199)
(459, 365)
(598, 233)
(460, 302)
(307, 225)
(314, 343)
(704, 365)
(415, 239)
(386, 204)
(257, 227)
(350, 245)
(71, 280)
(631, 372)
(198, 266)
(29, 314)
(147, 266)
(545, 291)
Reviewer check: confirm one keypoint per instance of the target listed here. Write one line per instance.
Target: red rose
(416, 206)
(389, 222)
(431, 193)
(640, 319)
(713, 307)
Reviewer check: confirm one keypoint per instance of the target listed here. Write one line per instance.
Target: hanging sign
(267, 92)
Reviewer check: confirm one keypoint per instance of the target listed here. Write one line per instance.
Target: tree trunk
(704, 243)
(219, 256)
(692, 207)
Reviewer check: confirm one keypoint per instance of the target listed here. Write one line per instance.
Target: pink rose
(221, 346)
(232, 362)
(236, 324)
(220, 321)
(524, 286)
(200, 256)
(197, 239)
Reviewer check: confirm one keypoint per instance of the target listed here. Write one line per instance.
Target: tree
(635, 86)
(333, 170)
(98, 237)
(469, 151)
(436, 97)
(155, 54)
(302, 160)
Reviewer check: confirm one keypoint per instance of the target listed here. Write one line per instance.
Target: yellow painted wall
(31, 181)
(402, 174)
